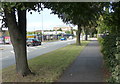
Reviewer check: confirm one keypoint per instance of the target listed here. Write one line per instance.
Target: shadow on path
(87, 67)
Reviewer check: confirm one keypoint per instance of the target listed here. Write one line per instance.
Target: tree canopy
(81, 14)
(75, 13)
(109, 25)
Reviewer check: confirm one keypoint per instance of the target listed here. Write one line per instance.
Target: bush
(110, 55)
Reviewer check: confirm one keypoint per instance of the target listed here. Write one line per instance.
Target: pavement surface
(87, 67)
(7, 56)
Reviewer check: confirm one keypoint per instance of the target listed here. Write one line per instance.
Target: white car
(70, 37)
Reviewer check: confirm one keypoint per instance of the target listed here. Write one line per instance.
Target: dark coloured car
(33, 42)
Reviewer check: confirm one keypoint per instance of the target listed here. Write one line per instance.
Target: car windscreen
(29, 40)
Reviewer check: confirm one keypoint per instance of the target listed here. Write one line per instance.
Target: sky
(43, 21)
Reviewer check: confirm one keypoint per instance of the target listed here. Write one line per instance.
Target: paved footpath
(87, 67)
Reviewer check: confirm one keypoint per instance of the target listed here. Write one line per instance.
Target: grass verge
(47, 67)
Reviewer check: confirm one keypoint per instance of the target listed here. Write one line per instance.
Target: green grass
(47, 67)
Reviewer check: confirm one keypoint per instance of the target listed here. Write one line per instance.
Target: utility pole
(42, 28)
(34, 31)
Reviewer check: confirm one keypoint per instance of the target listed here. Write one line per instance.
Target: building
(53, 32)
(38, 31)
(62, 28)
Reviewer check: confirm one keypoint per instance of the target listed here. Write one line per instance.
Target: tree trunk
(78, 33)
(90, 35)
(71, 30)
(86, 34)
(18, 38)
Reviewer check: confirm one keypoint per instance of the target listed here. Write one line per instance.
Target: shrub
(111, 55)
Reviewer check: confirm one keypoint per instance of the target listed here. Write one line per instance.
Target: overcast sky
(35, 21)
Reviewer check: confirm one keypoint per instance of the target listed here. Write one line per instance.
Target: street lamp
(42, 28)
(34, 31)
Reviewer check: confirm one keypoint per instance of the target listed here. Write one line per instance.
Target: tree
(71, 30)
(109, 22)
(90, 28)
(75, 13)
(59, 29)
(68, 32)
(17, 30)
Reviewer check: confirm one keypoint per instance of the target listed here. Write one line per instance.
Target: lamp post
(42, 28)
(34, 31)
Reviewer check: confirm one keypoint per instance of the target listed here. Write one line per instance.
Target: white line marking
(28, 51)
(12, 51)
(33, 47)
(39, 46)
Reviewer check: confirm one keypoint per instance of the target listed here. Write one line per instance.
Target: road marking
(33, 47)
(12, 51)
(39, 46)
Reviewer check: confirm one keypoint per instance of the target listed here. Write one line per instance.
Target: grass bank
(47, 67)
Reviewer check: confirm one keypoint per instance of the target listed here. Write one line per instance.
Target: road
(7, 56)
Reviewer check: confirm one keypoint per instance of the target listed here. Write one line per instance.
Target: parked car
(33, 42)
(70, 37)
(7, 40)
(63, 38)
